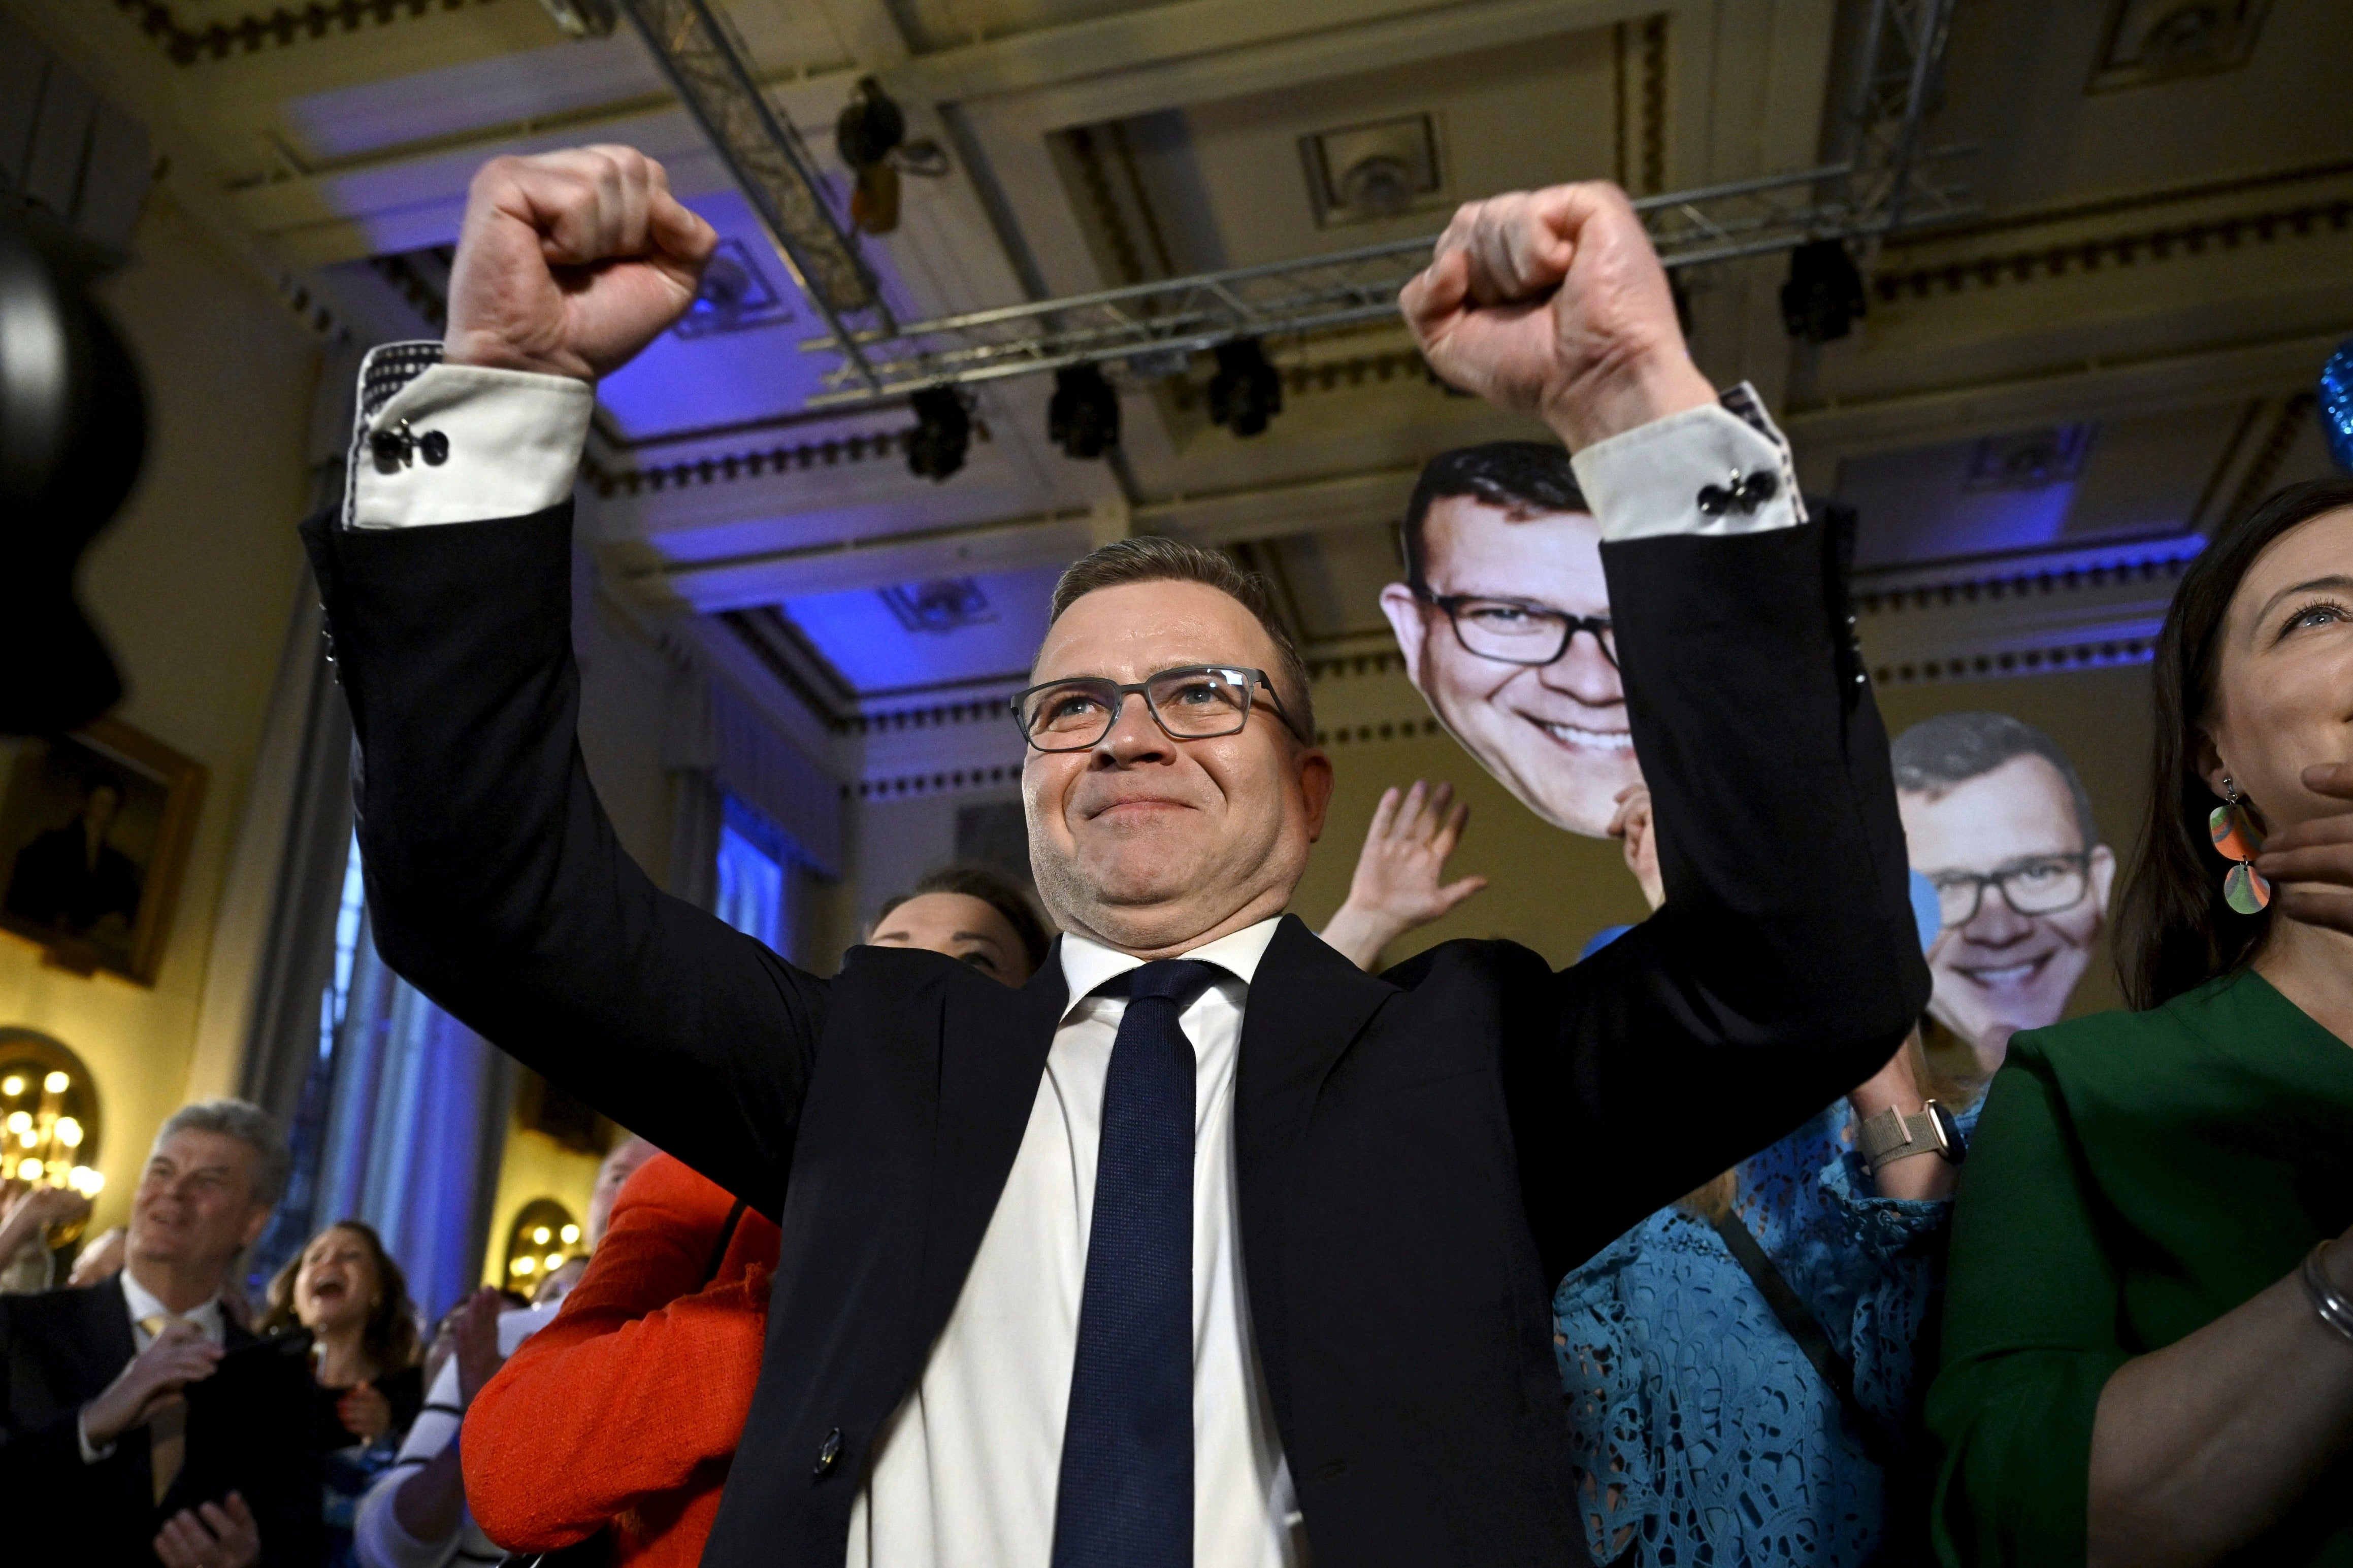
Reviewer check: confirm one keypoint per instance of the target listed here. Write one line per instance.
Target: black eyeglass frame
(1121, 693)
(1601, 626)
(2081, 859)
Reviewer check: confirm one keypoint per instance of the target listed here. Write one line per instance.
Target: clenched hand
(1554, 303)
(571, 262)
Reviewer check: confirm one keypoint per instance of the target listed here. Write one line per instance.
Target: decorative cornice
(947, 781)
(2091, 609)
(250, 34)
(725, 468)
(1387, 729)
(1188, 391)
(2164, 242)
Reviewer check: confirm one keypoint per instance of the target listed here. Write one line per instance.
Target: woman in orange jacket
(625, 1412)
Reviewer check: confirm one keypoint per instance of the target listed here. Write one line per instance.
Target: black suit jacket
(1420, 1155)
(247, 1432)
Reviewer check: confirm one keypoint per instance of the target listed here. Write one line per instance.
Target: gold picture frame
(95, 829)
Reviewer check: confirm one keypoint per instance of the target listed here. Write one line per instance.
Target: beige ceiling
(2163, 260)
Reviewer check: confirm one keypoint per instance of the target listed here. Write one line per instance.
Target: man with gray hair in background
(1998, 821)
(138, 1422)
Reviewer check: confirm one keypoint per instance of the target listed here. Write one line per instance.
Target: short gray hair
(250, 1125)
(1938, 753)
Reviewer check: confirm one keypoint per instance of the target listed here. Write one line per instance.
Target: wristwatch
(1891, 1135)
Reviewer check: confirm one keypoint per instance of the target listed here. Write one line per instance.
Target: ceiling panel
(938, 633)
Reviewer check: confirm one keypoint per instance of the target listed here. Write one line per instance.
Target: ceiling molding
(2080, 608)
(726, 468)
(2097, 391)
(2169, 242)
(253, 32)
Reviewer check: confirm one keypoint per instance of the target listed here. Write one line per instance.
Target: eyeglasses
(1518, 631)
(2044, 885)
(1197, 702)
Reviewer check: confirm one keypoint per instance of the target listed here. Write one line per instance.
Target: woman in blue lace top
(1703, 1432)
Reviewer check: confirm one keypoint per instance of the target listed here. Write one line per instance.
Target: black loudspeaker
(73, 433)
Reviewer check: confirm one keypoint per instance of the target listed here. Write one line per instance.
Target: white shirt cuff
(90, 1455)
(465, 444)
(1705, 471)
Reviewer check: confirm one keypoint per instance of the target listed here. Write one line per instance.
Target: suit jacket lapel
(1307, 1005)
(993, 1047)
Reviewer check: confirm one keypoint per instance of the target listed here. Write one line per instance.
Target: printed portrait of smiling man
(2000, 823)
(1503, 620)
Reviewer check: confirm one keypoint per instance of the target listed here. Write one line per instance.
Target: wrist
(488, 351)
(1624, 397)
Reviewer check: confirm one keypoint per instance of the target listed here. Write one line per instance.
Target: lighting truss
(1889, 181)
(709, 67)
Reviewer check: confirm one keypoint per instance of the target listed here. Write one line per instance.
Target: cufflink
(1745, 495)
(394, 449)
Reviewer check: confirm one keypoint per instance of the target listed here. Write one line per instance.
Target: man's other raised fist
(571, 262)
(1552, 301)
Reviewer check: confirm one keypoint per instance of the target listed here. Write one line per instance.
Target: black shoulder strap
(1799, 1325)
(726, 1239)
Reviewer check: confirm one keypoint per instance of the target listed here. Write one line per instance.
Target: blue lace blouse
(1702, 1434)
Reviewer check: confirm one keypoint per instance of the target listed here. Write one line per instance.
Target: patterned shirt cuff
(437, 443)
(1719, 470)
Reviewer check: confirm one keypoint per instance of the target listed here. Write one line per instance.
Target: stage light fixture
(1246, 392)
(942, 430)
(1083, 417)
(1824, 293)
(870, 128)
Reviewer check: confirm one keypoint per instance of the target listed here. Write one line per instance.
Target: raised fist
(1553, 302)
(571, 262)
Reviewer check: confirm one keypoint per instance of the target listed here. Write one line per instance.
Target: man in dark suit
(138, 1422)
(70, 877)
(1202, 1247)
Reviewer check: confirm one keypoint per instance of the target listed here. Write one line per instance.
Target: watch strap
(1891, 1135)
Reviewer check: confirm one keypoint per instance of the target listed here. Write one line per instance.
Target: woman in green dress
(2149, 1332)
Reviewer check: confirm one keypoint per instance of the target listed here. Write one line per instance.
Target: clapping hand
(2310, 865)
(211, 1535)
(365, 1412)
(1554, 303)
(1398, 885)
(478, 1352)
(569, 263)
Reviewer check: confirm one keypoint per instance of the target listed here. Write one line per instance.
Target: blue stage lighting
(2336, 404)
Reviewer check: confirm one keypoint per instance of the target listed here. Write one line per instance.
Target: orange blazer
(627, 1409)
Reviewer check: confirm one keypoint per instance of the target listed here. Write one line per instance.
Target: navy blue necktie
(1127, 1494)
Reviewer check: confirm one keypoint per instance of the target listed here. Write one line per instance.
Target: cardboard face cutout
(2023, 895)
(1554, 733)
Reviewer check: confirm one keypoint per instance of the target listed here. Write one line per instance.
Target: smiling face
(966, 929)
(1999, 972)
(1554, 734)
(194, 1210)
(338, 1284)
(1151, 844)
(2283, 683)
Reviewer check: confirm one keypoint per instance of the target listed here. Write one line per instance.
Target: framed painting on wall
(94, 833)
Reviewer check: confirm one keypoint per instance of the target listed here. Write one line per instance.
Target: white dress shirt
(965, 1471)
(144, 1304)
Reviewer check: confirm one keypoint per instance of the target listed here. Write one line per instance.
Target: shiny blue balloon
(2336, 406)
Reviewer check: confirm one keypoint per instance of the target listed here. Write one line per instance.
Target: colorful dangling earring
(2235, 838)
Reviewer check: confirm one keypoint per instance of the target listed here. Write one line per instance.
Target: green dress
(2136, 1176)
